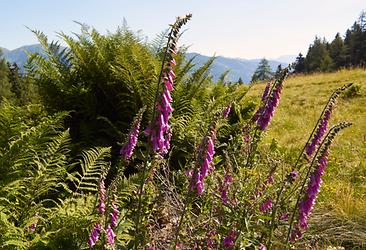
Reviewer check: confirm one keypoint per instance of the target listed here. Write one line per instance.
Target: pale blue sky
(233, 28)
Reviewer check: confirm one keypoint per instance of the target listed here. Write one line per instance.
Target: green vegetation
(115, 143)
(343, 194)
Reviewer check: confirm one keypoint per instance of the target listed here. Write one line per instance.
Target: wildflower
(204, 166)
(32, 227)
(284, 217)
(110, 235)
(271, 105)
(102, 197)
(291, 177)
(296, 233)
(224, 188)
(227, 111)
(270, 179)
(263, 100)
(262, 247)
(306, 205)
(94, 236)
(322, 128)
(159, 130)
(266, 205)
(127, 149)
(150, 248)
(114, 214)
(229, 241)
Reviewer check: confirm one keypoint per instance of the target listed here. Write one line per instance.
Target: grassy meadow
(343, 195)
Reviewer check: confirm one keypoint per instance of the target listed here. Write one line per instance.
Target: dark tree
(240, 80)
(318, 58)
(300, 64)
(263, 71)
(4, 82)
(14, 79)
(338, 51)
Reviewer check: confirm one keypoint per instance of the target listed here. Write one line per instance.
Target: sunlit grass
(343, 195)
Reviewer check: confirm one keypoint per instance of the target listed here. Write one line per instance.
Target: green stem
(303, 186)
(312, 132)
(137, 222)
(181, 221)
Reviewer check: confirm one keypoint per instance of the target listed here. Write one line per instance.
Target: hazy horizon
(232, 29)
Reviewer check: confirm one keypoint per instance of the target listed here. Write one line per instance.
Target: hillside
(344, 188)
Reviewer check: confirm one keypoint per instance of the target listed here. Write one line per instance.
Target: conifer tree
(337, 51)
(300, 64)
(318, 58)
(263, 71)
(4, 82)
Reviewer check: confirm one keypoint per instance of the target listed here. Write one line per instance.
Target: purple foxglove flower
(115, 212)
(101, 206)
(224, 196)
(32, 227)
(228, 179)
(227, 112)
(262, 247)
(294, 175)
(188, 172)
(266, 205)
(266, 91)
(110, 235)
(94, 236)
(127, 149)
(322, 128)
(313, 187)
(267, 113)
(168, 85)
(204, 163)
(284, 217)
(229, 241)
(270, 179)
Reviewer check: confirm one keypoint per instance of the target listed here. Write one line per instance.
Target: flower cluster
(266, 112)
(227, 111)
(229, 241)
(115, 212)
(94, 236)
(95, 233)
(324, 120)
(228, 179)
(306, 205)
(322, 128)
(263, 102)
(127, 149)
(204, 164)
(102, 197)
(266, 205)
(159, 130)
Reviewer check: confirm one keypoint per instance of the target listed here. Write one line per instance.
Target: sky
(233, 28)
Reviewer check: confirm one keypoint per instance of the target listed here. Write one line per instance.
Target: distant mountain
(238, 67)
(286, 58)
(19, 55)
(243, 68)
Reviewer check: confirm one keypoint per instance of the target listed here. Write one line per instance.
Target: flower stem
(137, 222)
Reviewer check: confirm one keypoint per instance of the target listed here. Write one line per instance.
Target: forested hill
(239, 68)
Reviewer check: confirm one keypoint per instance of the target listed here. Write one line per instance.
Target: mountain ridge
(238, 67)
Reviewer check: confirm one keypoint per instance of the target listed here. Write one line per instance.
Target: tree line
(342, 52)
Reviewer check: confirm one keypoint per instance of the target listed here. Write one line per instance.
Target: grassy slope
(344, 190)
